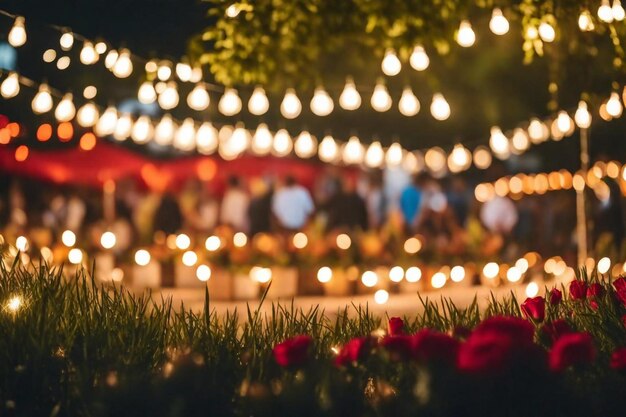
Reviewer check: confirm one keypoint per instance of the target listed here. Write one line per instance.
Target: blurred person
(411, 201)
(346, 209)
(437, 223)
(458, 199)
(76, 210)
(499, 215)
(292, 205)
(167, 217)
(234, 209)
(375, 201)
(260, 208)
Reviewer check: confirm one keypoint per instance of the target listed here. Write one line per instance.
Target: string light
(459, 159)
(419, 59)
(146, 93)
(169, 98)
(142, 130)
(230, 103)
(585, 21)
(258, 103)
(123, 66)
(350, 99)
(381, 296)
(101, 47)
(465, 35)
(164, 72)
(394, 155)
(614, 106)
(90, 92)
(391, 65)
(439, 108)
(605, 12)
(305, 145)
(520, 141)
(353, 151)
(87, 115)
(457, 273)
(291, 106)
(42, 102)
(88, 54)
(110, 59)
(65, 110)
(482, 157)
(282, 143)
(582, 115)
(17, 34)
(413, 274)
(321, 103)
(68, 238)
(198, 99)
(10, 87)
(438, 280)
(190, 258)
(369, 278)
(538, 131)
(203, 273)
(328, 149)
(142, 257)
(547, 32)
(498, 24)
(375, 155)
(618, 11)
(123, 127)
(75, 256)
(108, 240)
(435, 159)
(381, 100)
(262, 140)
(106, 124)
(63, 62)
(184, 139)
(408, 105)
(66, 41)
(183, 71)
(206, 138)
(324, 274)
(498, 142)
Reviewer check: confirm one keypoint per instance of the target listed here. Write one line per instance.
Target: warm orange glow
(154, 178)
(88, 141)
(5, 136)
(206, 169)
(65, 131)
(21, 153)
(14, 129)
(44, 132)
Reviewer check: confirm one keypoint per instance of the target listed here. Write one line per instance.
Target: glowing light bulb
(10, 87)
(142, 257)
(291, 106)
(164, 71)
(491, 270)
(413, 274)
(123, 66)
(142, 130)
(206, 138)
(110, 59)
(190, 258)
(258, 103)
(321, 103)
(324, 274)
(203, 273)
(350, 99)
(198, 99)
(409, 105)
(196, 75)
(87, 115)
(585, 22)
(465, 35)
(532, 289)
(538, 131)
(498, 142)
(482, 157)
(65, 110)
(238, 142)
(381, 296)
(375, 155)
(547, 32)
(439, 108)
(75, 256)
(282, 143)
(17, 35)
(419, 59)
(42, 102)
(66, 41)
(101, 47)
(305, 145)
(353, 151)
(391, 64)
(230, 103)
(108, 240)
(185, 136)
(68, 238)
(146, 93)
(459, 159)
(393, 156)
(435, 159)
(369, 278)
(183, 71)
(106, 123)
(123, 127)
(498, 24)
(169, 98)
(564, 122)
(618, 11)
(605, 12)
(614, 105)
(212, 243)
(457, 273)
(438, 280)
(582, 116)
(381, 100)
(262, 140)
(520, 141)
(328, 149)
(88, 54)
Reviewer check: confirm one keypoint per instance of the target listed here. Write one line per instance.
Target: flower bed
(73, 348)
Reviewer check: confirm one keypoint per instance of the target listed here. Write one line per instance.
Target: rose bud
(570, 350)
(293, 352)
(534, 309)
(556, 296)
(356, 350)
(578, 290)
(395, 326)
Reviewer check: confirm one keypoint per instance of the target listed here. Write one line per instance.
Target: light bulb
(375, 155)
(321, 103)
(142, 130)
(393, 156)
(67, 41)
(465, 35)
(87, 115)
(65, 110)
(185, 136)
(605, 13)
(106, 123)
(230, 103)
(290, 107)
(459, 159)
(482, 157)
(146, 93)
(206, 139)
(546, 32)
(169, 98)
(183, 71)
(538, 131)
(585, 22)
(88, 54)
(196, 75)
(10, 87)
(17, 35)
(614, 105)
(123, 127)
(123, 66)
(435, 159)
(101, 47)
(520, 141)
(305, 145)
(164, 71)
(353, 151)
(498, 24)
(42, 102)
(258, 103)
(164, 131)
(262, 140)
(350, 99)
(409, 105)
(618, 10)
(413, 162)
(282, 143)
(110, 59)
(439, 108)
(381, 100)
(328, 149)
(391, 64)
(563, 122)
(419, 59)
(238, 142)
(108, 240)
(582, 115)
(198, 99)
(498, 142)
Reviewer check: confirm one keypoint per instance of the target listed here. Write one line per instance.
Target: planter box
(284, 283)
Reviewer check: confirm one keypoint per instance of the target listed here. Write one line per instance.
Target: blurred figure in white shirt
(234, 210)
(292, 205)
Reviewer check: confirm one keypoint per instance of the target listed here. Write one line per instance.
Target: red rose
(595, 290)
(432, 346)
(571, 349)
(519, 330)
(354, 351)
(396, 326)
(618, 359)
(620, 289)
(399, 347)
(534, 309)
(578, 290)
(555, 296)
(556, 329)
(294, 351)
